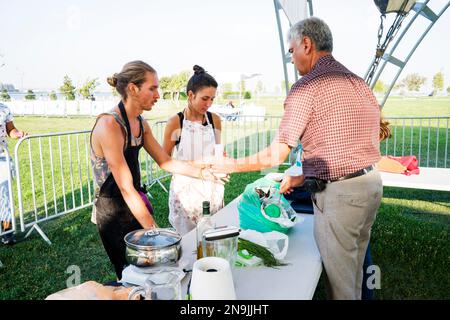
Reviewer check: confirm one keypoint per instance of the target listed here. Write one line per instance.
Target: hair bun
(112, 80)
(198, 69)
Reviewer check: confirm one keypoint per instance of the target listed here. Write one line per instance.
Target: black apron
(114, 218)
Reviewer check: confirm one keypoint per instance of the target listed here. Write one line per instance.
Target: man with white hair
(335, 116)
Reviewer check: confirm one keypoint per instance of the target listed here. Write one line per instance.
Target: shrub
(4, 95)
(183, 96)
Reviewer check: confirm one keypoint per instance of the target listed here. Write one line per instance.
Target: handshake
(215, 168)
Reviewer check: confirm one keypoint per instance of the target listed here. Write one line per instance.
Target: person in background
(193, 134)
(335, 116)
(116, 139)
(7, 128)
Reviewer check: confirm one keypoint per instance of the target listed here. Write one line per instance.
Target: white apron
(187, 194)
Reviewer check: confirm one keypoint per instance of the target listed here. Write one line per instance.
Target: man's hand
(290, 182)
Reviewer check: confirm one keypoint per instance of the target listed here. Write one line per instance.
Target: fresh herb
(261, 252)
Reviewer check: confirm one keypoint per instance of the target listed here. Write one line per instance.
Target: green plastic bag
(265, 214)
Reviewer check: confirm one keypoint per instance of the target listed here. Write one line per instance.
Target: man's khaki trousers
(343, 216)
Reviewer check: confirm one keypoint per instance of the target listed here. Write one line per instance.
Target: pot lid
(152, 238)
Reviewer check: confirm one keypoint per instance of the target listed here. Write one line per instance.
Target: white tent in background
(295, 10)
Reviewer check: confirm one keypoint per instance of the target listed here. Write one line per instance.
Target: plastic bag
(264, 209)
(276, 242)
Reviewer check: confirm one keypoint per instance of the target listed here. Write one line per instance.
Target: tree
(380, 87)
(283, 85)
(67, 89)
(438, 82)
(164, 85)
(247, 95)
(399, 87)
(226, 87)
(53, 96)
(448, 90)
(414, 81)
(87, 90)
(241, 86)
(277, 89)
(177, 83)
(30, 95)
(4, 95)
(114, 92)
(181, 82)
(259, 87)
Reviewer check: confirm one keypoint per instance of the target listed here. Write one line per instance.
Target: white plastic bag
(276, 242)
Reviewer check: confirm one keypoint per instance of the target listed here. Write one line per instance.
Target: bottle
(203, 224)
(296, 169)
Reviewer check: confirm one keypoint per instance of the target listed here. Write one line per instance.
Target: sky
(41, 41)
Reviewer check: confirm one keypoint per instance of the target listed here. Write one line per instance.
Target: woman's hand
(290, 182)
(16, 134)
(206, 173)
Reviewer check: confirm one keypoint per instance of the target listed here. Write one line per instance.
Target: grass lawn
(410, 244)
(410, 238)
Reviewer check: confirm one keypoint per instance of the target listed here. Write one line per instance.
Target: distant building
(9, 87)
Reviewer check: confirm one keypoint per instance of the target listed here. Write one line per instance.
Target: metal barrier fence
(54, 174)
(53, 178)
(243, 136)
(424, 137)
(60, 108)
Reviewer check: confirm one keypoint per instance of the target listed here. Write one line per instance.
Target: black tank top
(181, 117)
(131, 153)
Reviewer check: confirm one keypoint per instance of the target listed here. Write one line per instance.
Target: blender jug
(221, 242)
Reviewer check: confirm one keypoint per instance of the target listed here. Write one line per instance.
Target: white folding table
(428, 178)
(296, 281)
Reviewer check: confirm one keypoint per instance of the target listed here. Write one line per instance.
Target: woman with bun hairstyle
(193, 133)
(116, 139)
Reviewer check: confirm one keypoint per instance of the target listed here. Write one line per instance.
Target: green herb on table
(261, 252)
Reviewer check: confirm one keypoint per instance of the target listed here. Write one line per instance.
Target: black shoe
(9, 239)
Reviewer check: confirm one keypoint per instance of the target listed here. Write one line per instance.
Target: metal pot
(153, 247)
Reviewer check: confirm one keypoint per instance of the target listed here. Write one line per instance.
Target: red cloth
(410, 162)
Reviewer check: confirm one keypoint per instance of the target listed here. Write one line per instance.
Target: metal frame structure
(36, 158)
(421, 8)
(286, 56)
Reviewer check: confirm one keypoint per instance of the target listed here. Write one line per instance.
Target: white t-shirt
(5, 116)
